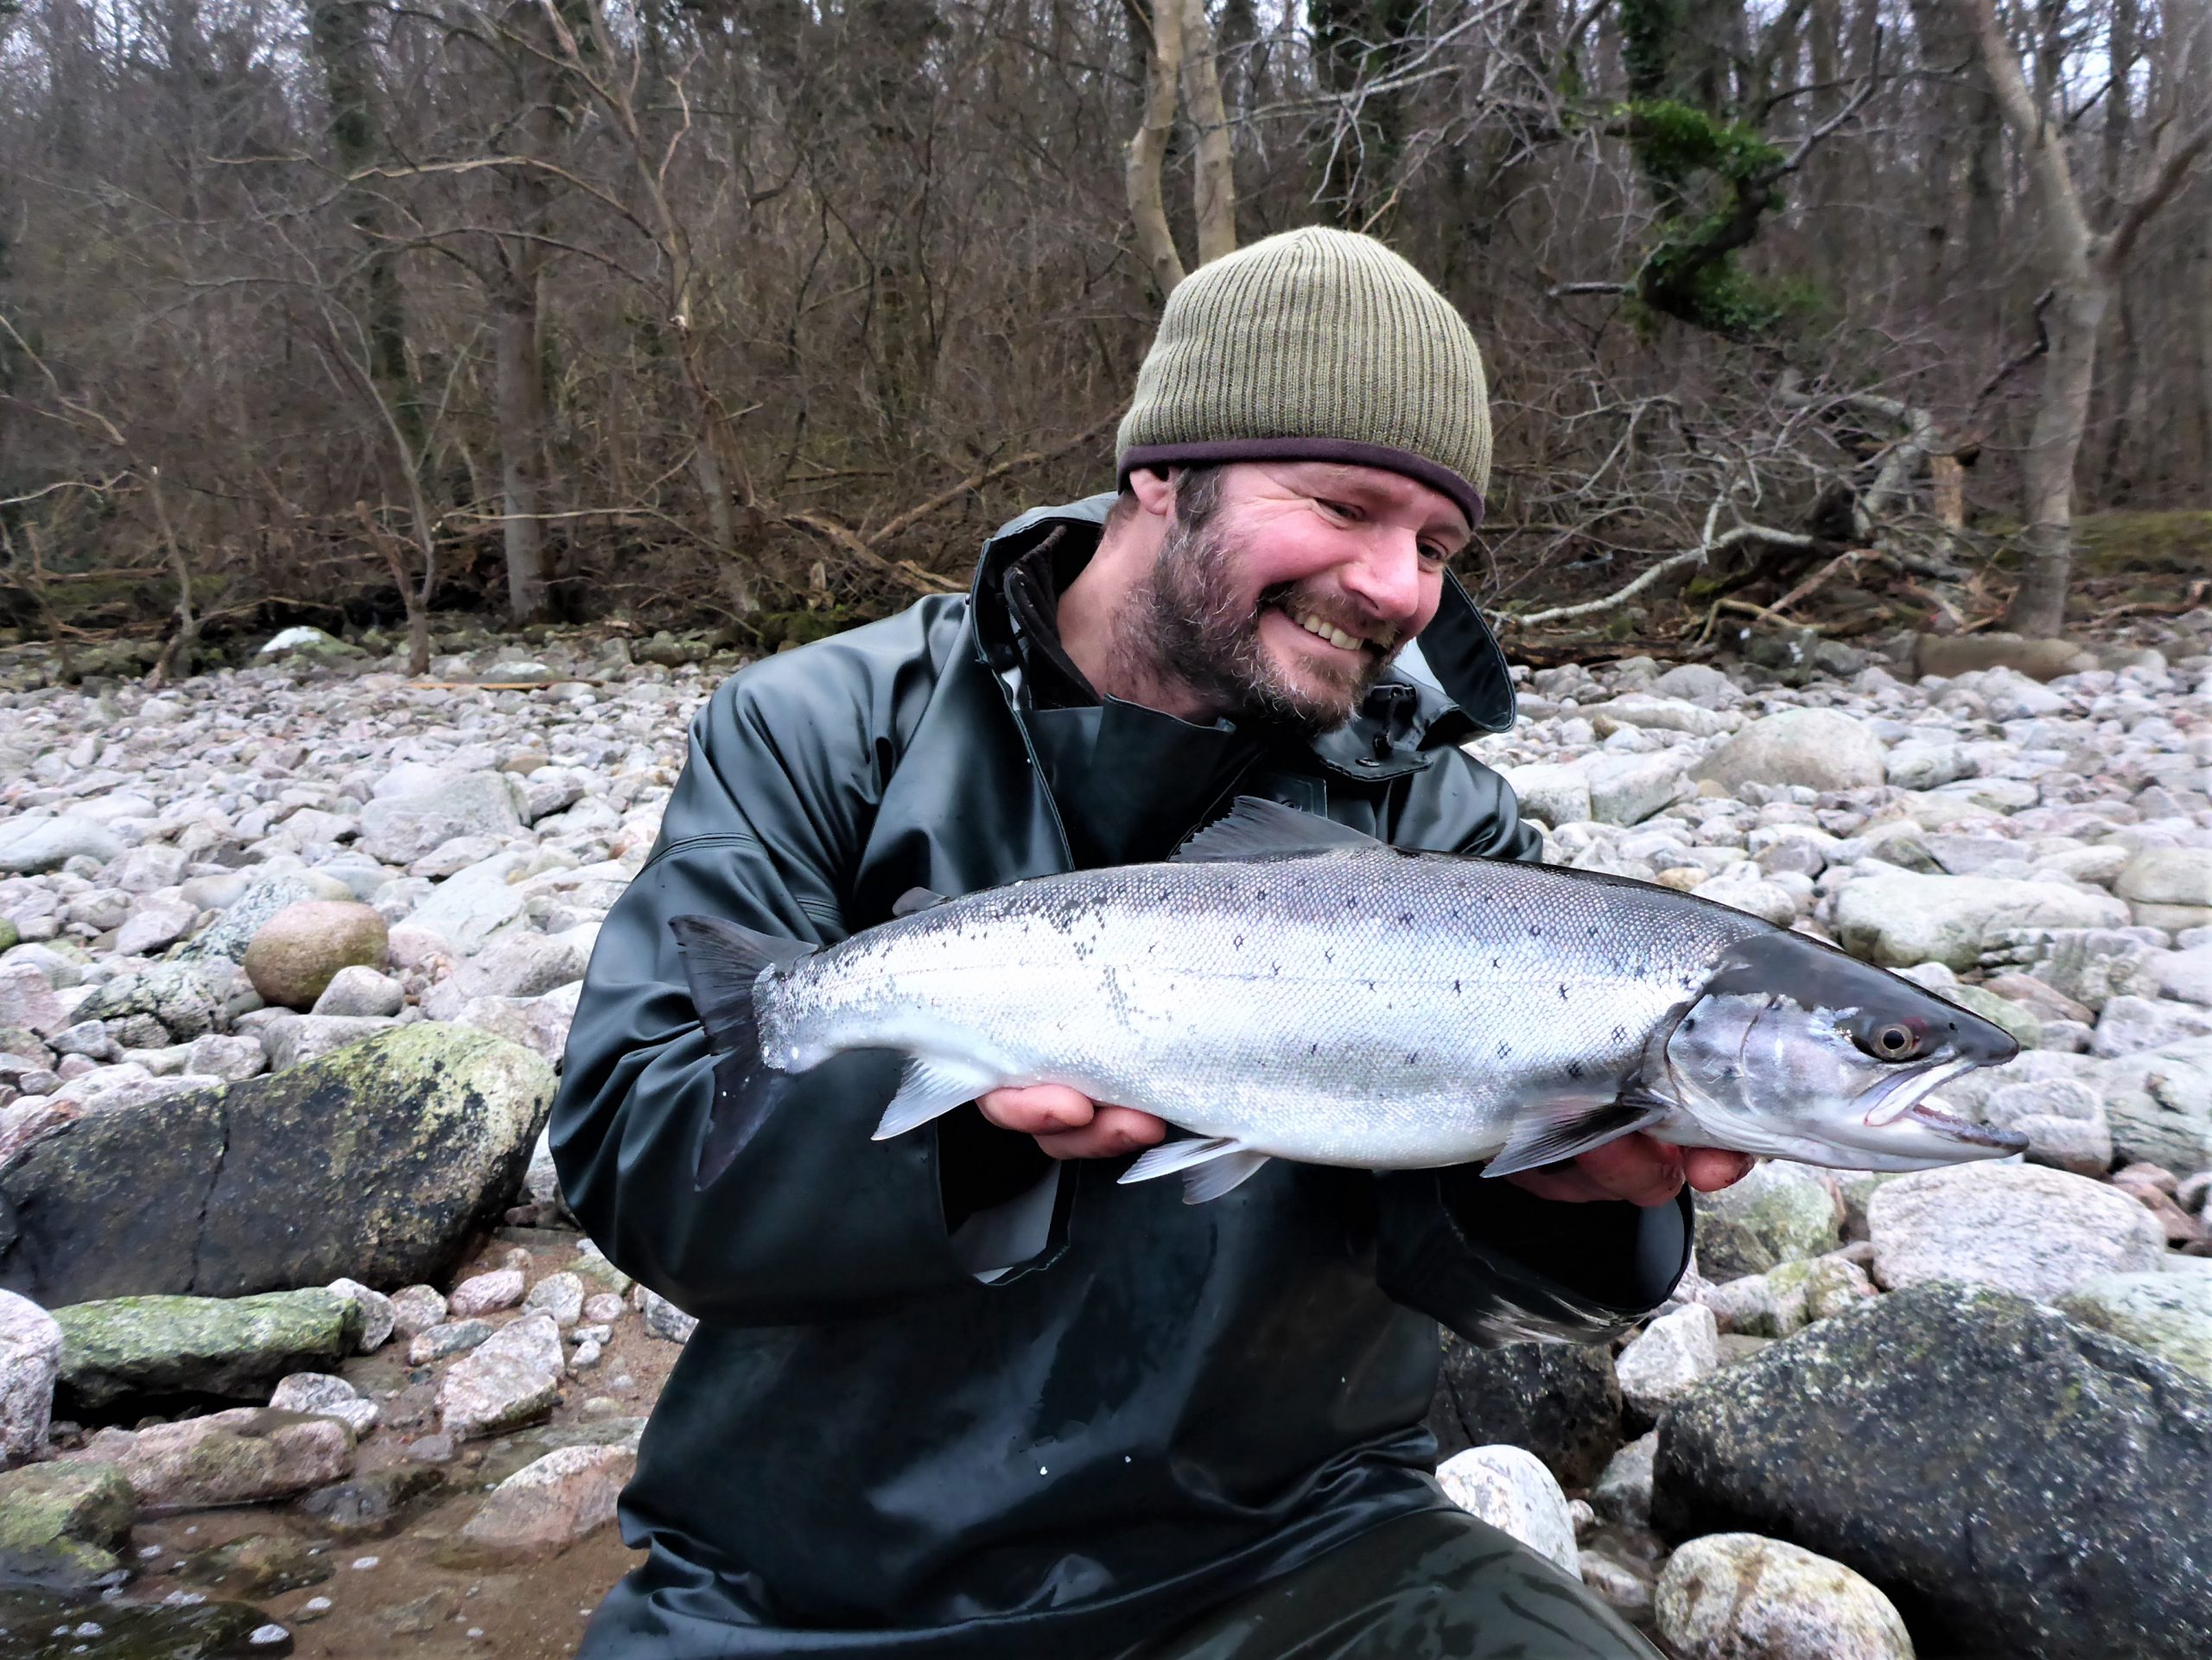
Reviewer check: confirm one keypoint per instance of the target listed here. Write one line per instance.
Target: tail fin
(723, 962)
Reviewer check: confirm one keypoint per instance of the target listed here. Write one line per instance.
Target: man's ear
(1154, 489)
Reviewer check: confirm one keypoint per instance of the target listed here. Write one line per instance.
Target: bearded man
(961, 1394)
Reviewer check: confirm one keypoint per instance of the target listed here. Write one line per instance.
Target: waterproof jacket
(946, 1397)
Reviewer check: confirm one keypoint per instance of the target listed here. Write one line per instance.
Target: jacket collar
(1454, 678)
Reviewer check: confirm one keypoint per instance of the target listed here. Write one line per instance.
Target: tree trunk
(1149, 149)
(1214, 184)
(2076, 312)
(522, 439)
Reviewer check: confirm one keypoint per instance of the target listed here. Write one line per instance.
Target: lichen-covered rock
(561, 1295)
(548, 1504)
(30, 1359)
(1738, 1596)
(376, 1163)
(2169, 1314)
(295, 955)
(1623, 1492)
(63, 1527)
(1559, 1400)
(2016, 1483)
(243, 1456)
(228, 1346)
(1509, 1488)
(328, 1394)
(1778, 1213)
(2020, 1227)
(223, 943)
(186, 998)
(417, 1308)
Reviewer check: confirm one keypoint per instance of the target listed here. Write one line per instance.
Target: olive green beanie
(1315, 345)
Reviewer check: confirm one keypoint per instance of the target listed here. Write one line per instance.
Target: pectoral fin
(1546, 1133)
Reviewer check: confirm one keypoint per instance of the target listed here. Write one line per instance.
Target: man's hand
(1069, 1125)
(1636, 1168)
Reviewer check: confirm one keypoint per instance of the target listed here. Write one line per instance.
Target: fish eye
(1892, 1041)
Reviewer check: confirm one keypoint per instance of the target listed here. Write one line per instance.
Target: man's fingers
(1039, 1109)
(1113, 1131)
(1636, 1168)
(1710, 1168)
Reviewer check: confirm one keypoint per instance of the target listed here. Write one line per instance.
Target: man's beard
(1188, 627)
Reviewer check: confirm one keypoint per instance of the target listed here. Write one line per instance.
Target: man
(960, 1394)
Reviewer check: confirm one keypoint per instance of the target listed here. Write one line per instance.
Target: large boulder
(2016, 1483)
(1781, 1212)
(234, 1347)
(2020, 1227)
(2159, 1106)
(2169, 887)
(1559, 1400)
(374, 1164)
(1899, 919)
(299, 951)
(1818, 748)
(1731, 1596)
(1627, 789)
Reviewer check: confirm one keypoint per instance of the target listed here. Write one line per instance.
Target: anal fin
(1546, 1134)
(928, 1089)
(1209, 1166)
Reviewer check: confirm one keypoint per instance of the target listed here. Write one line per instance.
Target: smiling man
(961, 1394)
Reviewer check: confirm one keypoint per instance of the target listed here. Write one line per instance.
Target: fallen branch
(1697, 555)
(905, 572)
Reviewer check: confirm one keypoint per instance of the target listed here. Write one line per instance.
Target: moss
(62, 1525)
(119, 1346)
(2112, 545)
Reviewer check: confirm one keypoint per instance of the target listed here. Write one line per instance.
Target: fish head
(1797, 1050)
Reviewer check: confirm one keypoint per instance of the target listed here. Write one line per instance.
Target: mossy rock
(63, 1527)
(375, 1163)
(11, 937)
(1780, 1213)
(234, 1347)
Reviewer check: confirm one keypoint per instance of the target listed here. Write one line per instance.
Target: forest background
(759, 313)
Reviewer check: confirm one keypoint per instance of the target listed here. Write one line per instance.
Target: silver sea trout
(1285, 988)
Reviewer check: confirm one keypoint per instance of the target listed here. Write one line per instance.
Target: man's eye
(1341, 509)
(1435, 552)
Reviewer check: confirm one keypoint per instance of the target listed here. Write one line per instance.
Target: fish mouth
(1907, 1094)
(1932, 1114)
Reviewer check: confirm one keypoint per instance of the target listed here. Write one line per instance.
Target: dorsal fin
(1256, 828)
(913, 899)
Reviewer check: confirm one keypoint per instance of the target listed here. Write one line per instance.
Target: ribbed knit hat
(1314, 345)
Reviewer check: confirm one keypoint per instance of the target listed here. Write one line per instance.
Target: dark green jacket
(874, 1445)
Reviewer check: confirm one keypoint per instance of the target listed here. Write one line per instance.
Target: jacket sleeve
(798, 1215)
(1488, 1259)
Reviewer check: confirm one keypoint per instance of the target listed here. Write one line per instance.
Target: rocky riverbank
(288, 954)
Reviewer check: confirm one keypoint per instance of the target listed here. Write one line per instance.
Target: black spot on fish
(1455, 988)
(1405, 918)
(1689, 1023)
(1504, 1048)
(1535, 933)
(1312, 1048)
(1620, 1032)
(1412, 1055)
(1237, 940)
(1562, 991)
(1575, 1069)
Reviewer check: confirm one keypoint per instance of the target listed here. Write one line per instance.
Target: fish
(1284, 986)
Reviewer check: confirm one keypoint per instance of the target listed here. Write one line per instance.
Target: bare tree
(2084, 268)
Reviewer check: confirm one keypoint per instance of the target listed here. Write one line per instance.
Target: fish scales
(1357, 1007)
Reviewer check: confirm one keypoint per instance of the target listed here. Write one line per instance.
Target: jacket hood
(1454, 669)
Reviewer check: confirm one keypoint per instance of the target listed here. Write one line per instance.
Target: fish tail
(724, 963)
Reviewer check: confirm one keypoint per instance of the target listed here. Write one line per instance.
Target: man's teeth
(1335, 636)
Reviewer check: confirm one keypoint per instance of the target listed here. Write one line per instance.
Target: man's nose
(1387, 575)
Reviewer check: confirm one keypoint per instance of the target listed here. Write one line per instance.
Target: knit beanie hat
(1314, 345)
